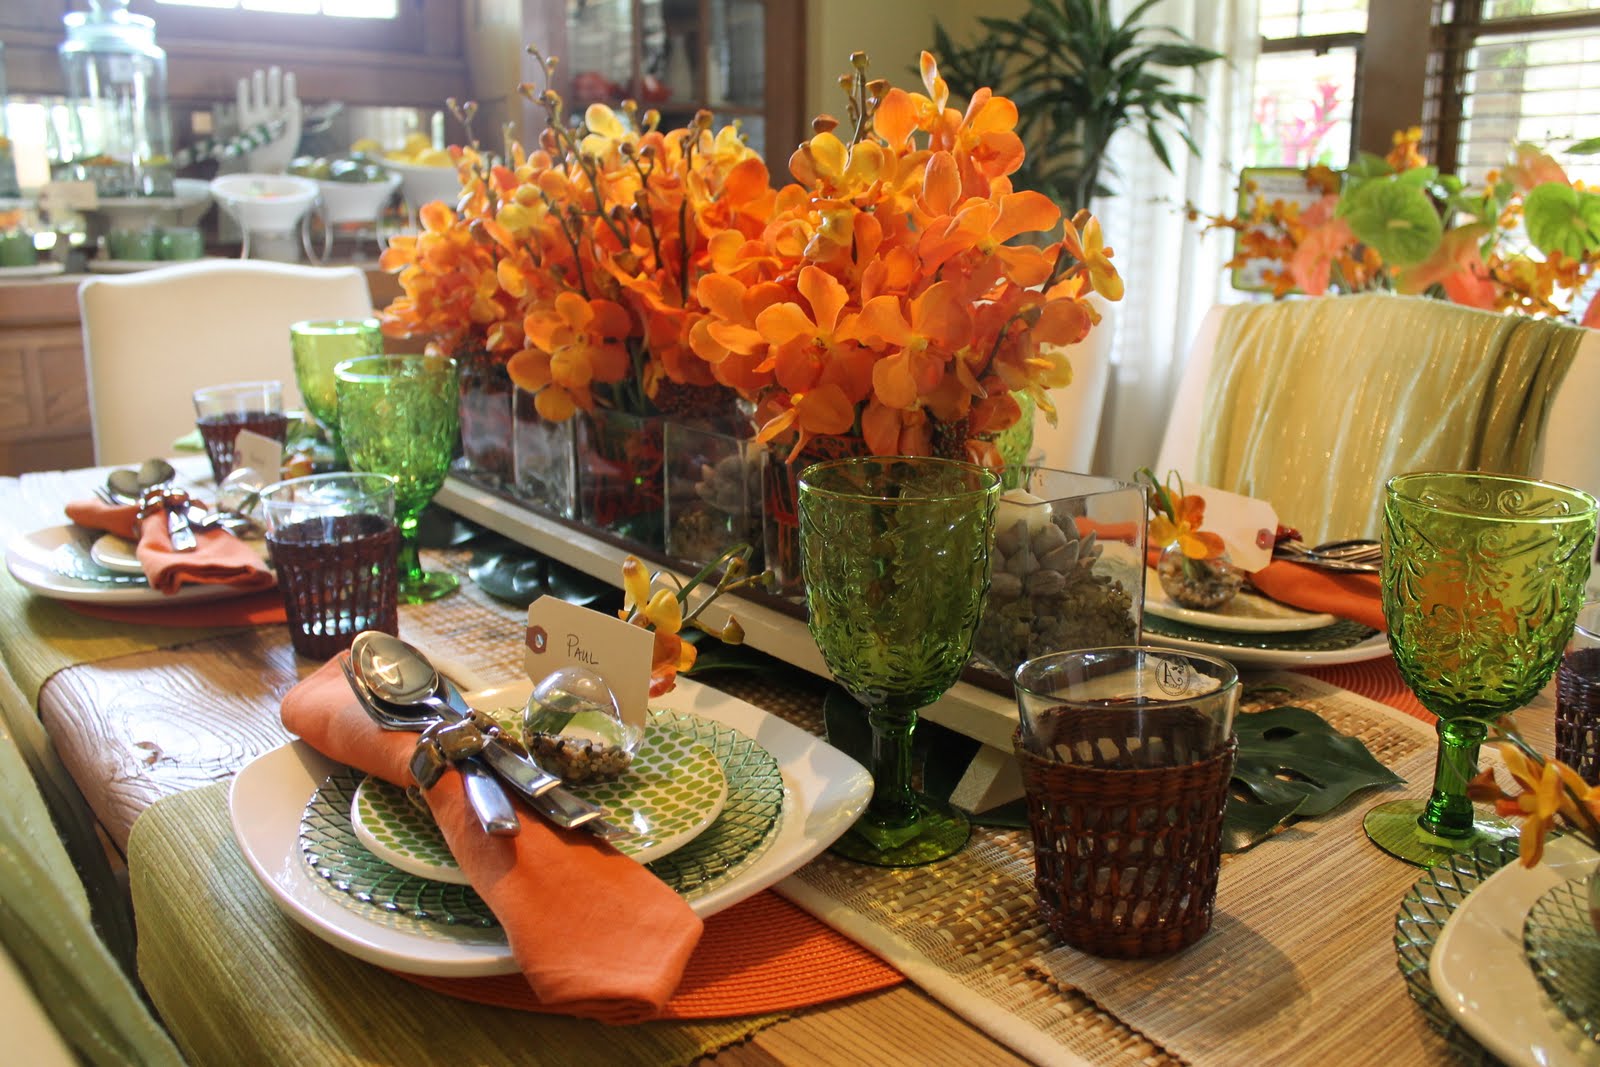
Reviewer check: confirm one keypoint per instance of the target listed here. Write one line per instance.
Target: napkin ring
(443, 744)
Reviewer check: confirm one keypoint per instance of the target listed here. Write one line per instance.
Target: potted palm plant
(1079, 76)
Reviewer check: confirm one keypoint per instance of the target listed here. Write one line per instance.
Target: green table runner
(209, 934)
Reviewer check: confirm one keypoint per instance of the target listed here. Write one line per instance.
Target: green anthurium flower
(1562, 219)
(1394, 217)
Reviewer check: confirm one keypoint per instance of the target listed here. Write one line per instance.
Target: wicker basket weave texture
(1126, 860)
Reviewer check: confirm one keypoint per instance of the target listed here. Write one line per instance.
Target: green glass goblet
(1482, 579)
(398, 416)
(319, 345)
(895, 556)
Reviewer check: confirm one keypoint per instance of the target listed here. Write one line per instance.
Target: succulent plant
(1046, 595)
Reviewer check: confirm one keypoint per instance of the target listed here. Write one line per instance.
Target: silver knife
(489, 801)
(559, 805)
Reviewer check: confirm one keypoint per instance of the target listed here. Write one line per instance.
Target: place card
(260, 453)
(566, 635)
(1248, 526)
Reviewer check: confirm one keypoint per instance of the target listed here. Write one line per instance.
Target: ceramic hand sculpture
(264, 98)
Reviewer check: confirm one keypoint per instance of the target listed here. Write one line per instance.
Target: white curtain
(1173, 274)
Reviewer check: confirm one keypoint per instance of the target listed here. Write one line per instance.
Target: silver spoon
(129, 486)
(406, 682)
(484, 791)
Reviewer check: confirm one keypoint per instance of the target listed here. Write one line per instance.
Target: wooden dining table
(139, 726)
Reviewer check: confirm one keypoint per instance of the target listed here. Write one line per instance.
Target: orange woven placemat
(256, 609)
(761, 956)
(1376, 679)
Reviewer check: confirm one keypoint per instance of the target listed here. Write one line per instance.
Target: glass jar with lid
(120, 129)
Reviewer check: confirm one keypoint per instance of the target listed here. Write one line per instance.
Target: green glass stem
(1448, 812)
(893, 802)
(409, 561)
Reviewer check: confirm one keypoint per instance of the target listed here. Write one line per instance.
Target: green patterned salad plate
(674, 790)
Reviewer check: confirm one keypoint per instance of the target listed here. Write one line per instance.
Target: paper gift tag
(1246, 525)
(260, 453)
(565, 635)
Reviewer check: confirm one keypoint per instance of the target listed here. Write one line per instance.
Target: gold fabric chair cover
(1314, 404)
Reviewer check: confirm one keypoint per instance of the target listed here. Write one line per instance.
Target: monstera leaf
(1293, 764)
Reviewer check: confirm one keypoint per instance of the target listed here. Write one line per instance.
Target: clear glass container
(8, 159)
(120, 129)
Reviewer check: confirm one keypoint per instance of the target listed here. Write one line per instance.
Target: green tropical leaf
(1368, 165)
(1585, 148)
(1181, 55)
(1245, 825)
(1395, 218)
(1561, 219)
(1291, 755)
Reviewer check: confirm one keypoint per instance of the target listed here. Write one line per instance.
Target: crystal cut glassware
(895, 557)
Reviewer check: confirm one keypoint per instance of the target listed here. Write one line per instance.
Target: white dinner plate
(28, 558)
(1482, 975)
(133, 266)
(825, 791)
(1374, 647)
(1247, 612)
(32, 270)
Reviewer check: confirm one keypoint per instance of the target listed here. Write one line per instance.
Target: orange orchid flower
(939, 324)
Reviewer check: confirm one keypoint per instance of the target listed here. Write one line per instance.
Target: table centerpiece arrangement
(615, 278)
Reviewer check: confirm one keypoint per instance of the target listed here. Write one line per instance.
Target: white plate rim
(104, 265)
(664, 846)
(1499, 1001)
(32, 270)
(1297, 619)
(28, 561)
(825, 791)
(1374, 647)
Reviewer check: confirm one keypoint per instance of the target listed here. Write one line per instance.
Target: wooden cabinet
(44, 398)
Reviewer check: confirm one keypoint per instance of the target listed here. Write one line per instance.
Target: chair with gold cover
(1314, 404)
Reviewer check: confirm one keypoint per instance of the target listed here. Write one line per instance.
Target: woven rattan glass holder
(1126, 860)
(338, 578)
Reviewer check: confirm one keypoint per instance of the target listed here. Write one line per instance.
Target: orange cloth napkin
(218, 558)
(595, 934)
(1347, 595)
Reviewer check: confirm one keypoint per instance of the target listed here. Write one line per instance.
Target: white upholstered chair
(1569, 451)
(1070, 444)
(151, 339)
